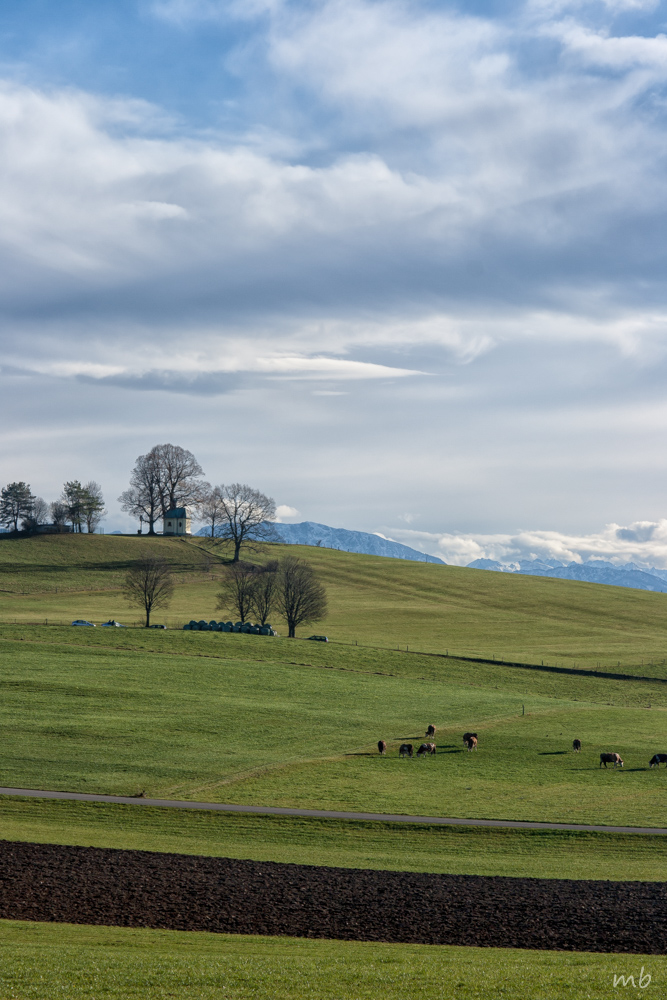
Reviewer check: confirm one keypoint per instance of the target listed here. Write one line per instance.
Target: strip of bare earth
(87, 885)
(33, 793)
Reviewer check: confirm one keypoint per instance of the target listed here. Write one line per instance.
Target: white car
(80, 621)
(112, 624)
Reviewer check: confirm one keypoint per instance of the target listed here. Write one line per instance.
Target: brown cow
(576, 745)
(466, 736)
(382, 746)
(472, 743)
(426, 748)
(610, 758)
(405, 750)
(657, 759)
(430, 731)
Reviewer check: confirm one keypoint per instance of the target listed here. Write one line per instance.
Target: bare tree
(237, 590)
(177, 471)
(301, 599)
(149, 585)
(246, 516)
(38, 515)
(16, 502)
(93, 505)
(264, 591)
(143, 499)
(210, 508)
(58, 513)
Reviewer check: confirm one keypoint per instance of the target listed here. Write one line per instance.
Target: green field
(43, 961)
(270, 721)
(273, 721)
(374, 601)
(338, 843)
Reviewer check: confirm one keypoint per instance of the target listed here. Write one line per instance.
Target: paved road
(33, 793)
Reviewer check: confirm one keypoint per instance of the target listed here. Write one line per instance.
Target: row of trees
(80, 505)
(169, 476)
(289, 588)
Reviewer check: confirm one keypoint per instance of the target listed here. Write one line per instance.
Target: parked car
(112, 624)
(157, 626)
(318, 638)
(80, 621)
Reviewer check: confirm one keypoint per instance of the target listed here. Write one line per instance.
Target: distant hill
(594, 571)
(321, 535)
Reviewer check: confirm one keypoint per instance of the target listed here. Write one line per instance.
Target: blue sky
(400, 265)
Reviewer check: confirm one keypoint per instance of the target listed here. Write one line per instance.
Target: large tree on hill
(93, 505)
(149, 585)
(178, 471)
(143, 499)
(246, 516)
(16, 504)
(300, 597)
(166, 477)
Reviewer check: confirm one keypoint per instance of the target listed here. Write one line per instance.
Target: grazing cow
(430, 731)
(466, 736)
(426, 748)
(657, 759)
(382, 746)
(576, 745)
(472, 743)
(405, 750)
(610, 758)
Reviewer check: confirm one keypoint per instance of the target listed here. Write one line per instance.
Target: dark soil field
(84, 885)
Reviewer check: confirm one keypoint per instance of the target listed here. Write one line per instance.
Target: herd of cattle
(470, 740)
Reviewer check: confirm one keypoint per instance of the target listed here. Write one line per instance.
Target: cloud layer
(414, 248)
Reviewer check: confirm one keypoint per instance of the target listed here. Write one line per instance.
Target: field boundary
(127, 800)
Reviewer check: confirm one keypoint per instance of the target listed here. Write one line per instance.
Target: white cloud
(285, 513)
(644, 542)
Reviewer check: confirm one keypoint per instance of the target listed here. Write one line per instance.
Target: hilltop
(372, 600)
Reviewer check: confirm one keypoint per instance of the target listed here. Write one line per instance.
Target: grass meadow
(267, 721)
(272, 721)
(43, 961)
(373, 601)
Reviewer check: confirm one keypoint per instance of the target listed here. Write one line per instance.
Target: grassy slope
(42, 961)
(250, 719)
(339, 843)
(372, 600)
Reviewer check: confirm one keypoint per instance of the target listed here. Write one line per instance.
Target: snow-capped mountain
(594, 571)
(311, 533)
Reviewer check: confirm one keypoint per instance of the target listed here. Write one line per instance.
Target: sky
(400, 266)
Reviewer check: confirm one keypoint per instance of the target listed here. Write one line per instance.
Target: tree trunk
(291, 633)
(237, 550)
(148, 617)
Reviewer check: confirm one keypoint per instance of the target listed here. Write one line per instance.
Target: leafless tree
(263, 597)
(177, 471)
(301, 599)
(237, 590)
(143, 499)
(59, 513)
(149, 585)
(246, 516)
(210, 508)
(93, 505)
(38, 515)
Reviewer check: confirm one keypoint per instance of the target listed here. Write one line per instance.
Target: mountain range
(594, 571)
(311, 533)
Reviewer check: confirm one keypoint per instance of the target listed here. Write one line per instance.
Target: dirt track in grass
(86, 885)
